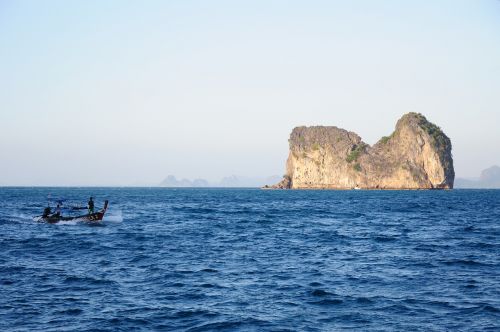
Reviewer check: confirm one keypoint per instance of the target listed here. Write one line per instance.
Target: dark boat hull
(98, 216)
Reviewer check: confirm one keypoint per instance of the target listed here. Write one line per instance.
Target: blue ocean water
(253, 260)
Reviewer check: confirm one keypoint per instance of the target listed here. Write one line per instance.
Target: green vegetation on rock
(356, 152)
(441, 141)
(386, 139)
(357, 167)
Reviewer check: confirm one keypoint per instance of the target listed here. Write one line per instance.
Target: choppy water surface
(252, 260)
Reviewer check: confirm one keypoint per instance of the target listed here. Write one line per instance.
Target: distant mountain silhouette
(489, 179)
(171, 181)
(242, 181)
(233, 181)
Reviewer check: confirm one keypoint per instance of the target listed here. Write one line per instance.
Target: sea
(252, 260)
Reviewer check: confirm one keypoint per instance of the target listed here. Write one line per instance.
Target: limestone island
(417, 155)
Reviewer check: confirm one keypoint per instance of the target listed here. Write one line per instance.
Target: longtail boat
(90, 217)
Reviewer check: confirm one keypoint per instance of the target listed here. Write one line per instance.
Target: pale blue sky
(127, 92)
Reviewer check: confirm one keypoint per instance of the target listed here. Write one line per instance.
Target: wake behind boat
(56, 216)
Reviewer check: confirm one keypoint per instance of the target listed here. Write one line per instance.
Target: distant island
(417, 155)
(489, 179)
(232, 181)
(172, 181)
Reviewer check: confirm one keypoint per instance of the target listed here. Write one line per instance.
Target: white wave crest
(113, 216)
(67, 222)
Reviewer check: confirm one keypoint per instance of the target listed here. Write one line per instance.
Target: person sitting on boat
(46, 212)
(91, 205)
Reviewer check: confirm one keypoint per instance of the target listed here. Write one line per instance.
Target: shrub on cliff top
(386, 139)
(437, 135)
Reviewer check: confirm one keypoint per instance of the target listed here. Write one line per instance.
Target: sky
(128, 92)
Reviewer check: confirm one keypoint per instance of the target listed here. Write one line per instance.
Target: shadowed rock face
(417, 155)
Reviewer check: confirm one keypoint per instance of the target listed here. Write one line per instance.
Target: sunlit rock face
(417, 155)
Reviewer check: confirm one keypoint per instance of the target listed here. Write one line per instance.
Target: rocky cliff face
(417, 155)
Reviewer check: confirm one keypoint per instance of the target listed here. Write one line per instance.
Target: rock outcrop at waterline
(417, 155)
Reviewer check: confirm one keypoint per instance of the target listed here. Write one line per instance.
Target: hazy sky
(127, 92)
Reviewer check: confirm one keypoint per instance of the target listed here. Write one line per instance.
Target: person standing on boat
(91, 205)
(58, 210)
